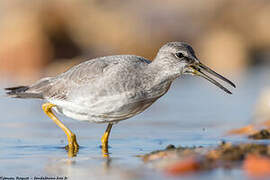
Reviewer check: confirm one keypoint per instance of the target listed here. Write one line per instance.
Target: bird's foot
(72, 150)
(105, 151)
(73, 146)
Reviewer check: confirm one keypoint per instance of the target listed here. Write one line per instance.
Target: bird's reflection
(107, 163)
(107, 158)
(85, 165)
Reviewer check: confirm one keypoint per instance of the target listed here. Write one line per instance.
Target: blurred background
(44, 38)
(41, 38)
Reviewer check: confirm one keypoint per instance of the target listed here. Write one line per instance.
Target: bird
(114, 88)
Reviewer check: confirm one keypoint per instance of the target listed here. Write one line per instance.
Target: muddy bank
(181, 160)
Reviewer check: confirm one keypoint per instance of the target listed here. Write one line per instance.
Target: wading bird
(114, 88)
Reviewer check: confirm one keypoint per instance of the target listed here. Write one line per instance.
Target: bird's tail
(20, 92)
(34, 91)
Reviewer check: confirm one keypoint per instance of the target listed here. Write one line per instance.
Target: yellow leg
(104, 140)
(72, 142)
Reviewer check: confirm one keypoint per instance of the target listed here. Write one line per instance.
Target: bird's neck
(163, 71)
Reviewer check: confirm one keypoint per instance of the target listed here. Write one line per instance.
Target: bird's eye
(179, 55)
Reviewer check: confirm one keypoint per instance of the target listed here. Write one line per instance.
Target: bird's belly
(111, 108)
(102, 114)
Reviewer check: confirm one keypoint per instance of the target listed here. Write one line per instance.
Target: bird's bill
(199, 68)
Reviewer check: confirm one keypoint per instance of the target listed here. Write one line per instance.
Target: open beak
(199, 68)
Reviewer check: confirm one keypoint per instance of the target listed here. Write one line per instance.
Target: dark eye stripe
(179, 55)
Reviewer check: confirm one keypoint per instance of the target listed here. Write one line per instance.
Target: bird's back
(104, 89)
(97, 75)
(99, 86)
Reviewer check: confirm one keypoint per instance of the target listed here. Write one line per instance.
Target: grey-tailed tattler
(114, 88)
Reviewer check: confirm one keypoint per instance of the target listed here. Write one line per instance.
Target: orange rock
(244, 130)
(266, 124)
(155, 156)
(184, 166)
(213, 155)
(257, 165)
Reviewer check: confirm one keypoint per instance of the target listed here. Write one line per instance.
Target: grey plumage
(16, 91)
(112, 88)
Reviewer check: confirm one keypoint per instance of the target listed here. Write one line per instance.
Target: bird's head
(181, 58)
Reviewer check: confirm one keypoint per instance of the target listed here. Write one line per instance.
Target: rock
(170, 146)
(257, 166)
(262, 134)
(188, 165)
(187, 160)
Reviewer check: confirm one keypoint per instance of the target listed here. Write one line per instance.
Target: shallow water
(192, 113)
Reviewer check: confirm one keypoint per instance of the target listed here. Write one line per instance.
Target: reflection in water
(107, 163)
(89, 168)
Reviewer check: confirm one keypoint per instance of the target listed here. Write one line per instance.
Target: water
(192, 113)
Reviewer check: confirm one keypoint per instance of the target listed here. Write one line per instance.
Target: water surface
(192, 113)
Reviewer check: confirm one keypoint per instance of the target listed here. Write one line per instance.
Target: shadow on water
(193, 113)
